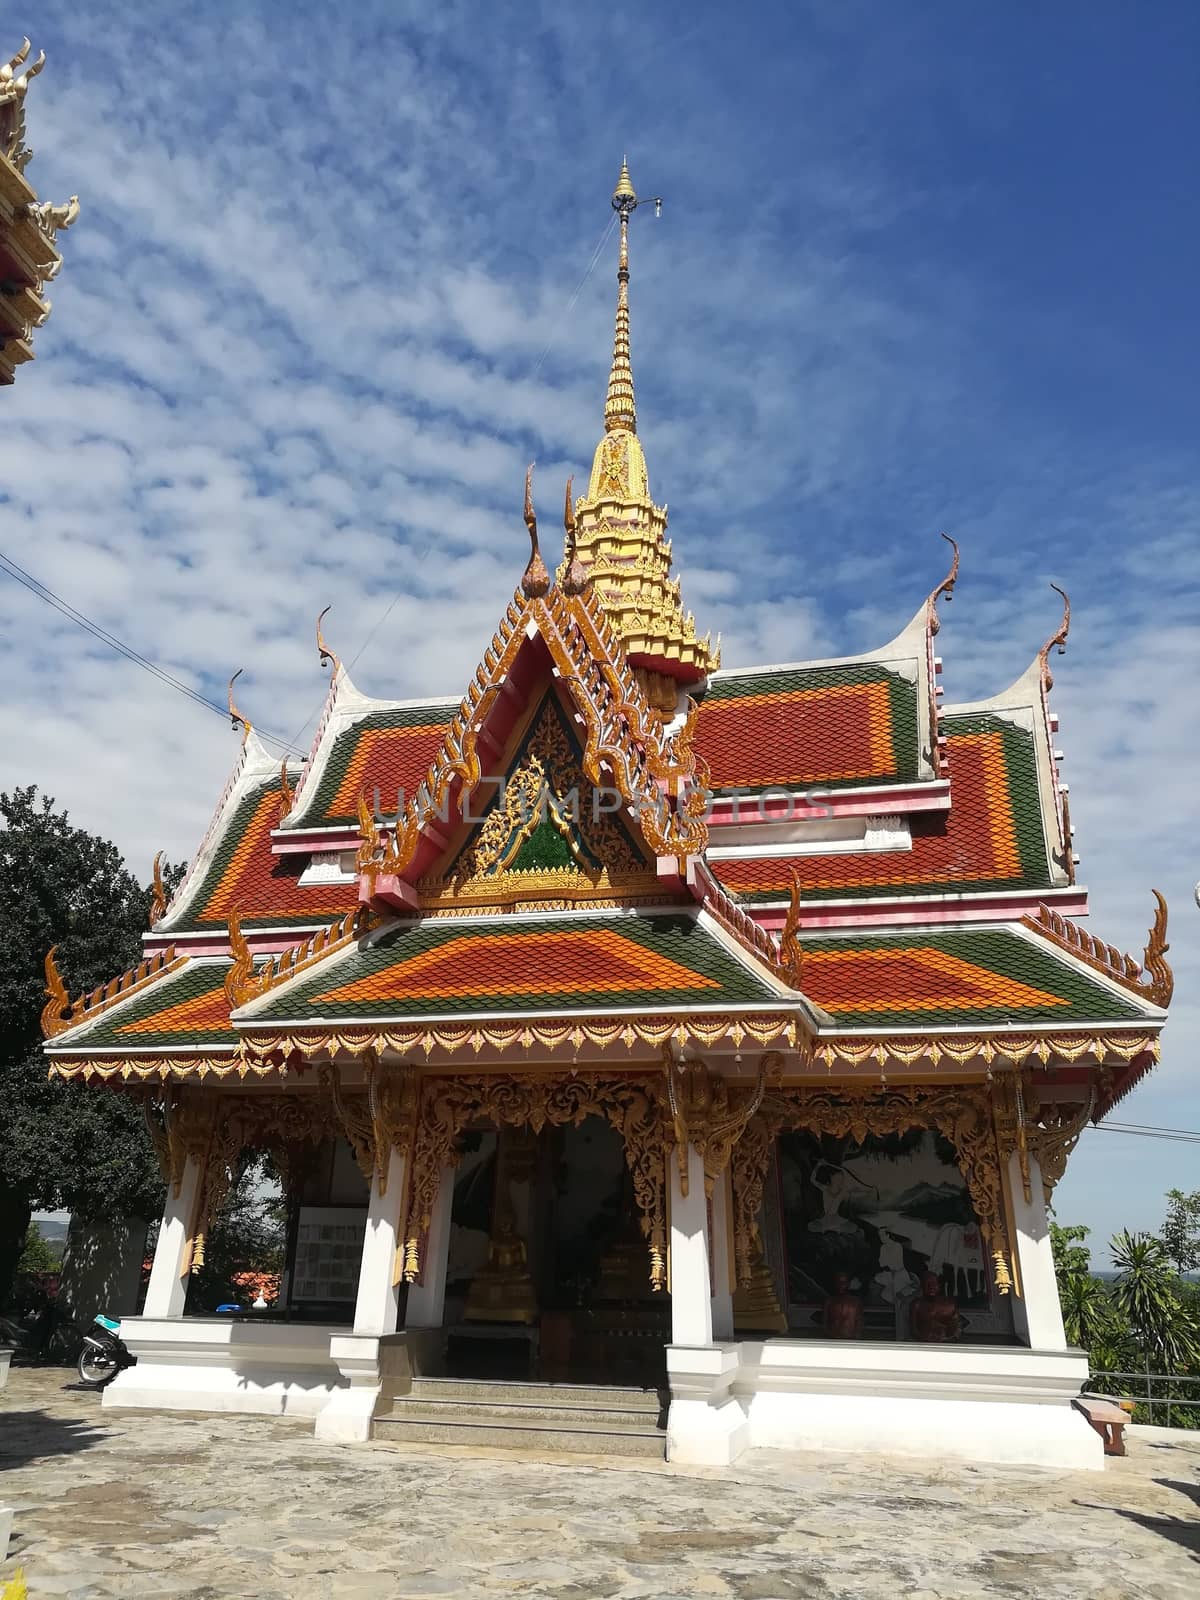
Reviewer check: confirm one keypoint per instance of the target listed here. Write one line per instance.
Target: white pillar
(706, 1425)
(167, 1291)
(1037, 1312)
(722, 1259)
(427, 1299)
(373, 1359)
(691, 1292)
(377, 1310)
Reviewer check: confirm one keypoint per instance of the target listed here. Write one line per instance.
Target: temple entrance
(548, 1276)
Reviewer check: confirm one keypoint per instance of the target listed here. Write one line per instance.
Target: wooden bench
(1107, 1417)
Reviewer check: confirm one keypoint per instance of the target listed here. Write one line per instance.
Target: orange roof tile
(991, 838)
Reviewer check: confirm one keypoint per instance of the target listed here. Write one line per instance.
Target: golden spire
(619, 409)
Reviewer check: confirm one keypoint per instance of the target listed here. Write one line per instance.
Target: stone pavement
(138, 1505)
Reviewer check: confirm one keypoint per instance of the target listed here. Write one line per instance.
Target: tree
(1072, 1258)
(248, 1236)
(64, 1145)
(1180, 1233)
(36, 1255)
(1086, 1308)
(1148, 1292)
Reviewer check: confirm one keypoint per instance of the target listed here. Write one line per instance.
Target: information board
(329, 1245)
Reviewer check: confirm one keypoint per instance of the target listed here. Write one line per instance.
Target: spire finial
(620, 411)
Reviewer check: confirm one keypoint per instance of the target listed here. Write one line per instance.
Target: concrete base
(375, 1369)
(941, 1402)
(218, 1364)
(936, 1402)
(707, 1424)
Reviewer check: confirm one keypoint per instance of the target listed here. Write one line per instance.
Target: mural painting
(880, 1214)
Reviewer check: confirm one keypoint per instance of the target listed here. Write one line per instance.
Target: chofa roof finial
(575, 576)
(535, 581)
(235, 716)
(328, 657)
(946, 587)
(158, 902)
(1059, 639)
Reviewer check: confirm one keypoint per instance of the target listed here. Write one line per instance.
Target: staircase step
(517, 1415)
(541, 1435)
(574, 1396)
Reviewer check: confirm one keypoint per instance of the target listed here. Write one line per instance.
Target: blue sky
(919, 267)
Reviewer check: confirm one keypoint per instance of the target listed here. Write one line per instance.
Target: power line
(56, 602)
(1147, 1131)
(570, 305)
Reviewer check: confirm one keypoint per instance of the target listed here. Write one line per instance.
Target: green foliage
(1072, 1258)
(248, 1236)
(1149, 1293)
(1146, 1321)
(65, 1145)
(1180, 1233)
(36, 1255)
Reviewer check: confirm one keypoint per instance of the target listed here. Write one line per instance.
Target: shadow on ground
(1183, 1531)
(29, 1436)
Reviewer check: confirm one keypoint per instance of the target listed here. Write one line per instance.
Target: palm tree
(1086, 1309)
(1147, 1291)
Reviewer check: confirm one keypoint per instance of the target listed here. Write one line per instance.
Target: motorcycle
(104, 1353)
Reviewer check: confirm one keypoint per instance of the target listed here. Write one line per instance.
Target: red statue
(843, 1311)
(934, 1317)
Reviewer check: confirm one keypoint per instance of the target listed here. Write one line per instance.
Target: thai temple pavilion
(626, 1026)
(29, 255)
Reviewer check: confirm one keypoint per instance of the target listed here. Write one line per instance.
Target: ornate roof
(542, 865)
(956, 978)
(852, 722)
(186, 1006)
(237, 869)
(552, 964)
(993, 837)
(386, 750)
